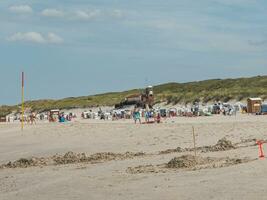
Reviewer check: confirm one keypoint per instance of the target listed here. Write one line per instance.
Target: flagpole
(22, 100)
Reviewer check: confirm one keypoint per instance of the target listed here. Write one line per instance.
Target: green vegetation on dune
(214, 90)
(5, 110)
(107, 99)
(205, 91)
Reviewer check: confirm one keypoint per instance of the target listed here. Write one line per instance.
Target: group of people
(63, 118)
(31, 119)
(148, 115)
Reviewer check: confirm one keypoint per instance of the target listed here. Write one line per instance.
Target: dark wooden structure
(254, 105)
(3, 119)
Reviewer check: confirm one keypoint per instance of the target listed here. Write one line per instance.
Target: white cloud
(83, 14)
(53, 38)
(21, 9)
(52, 13)
(28, 37)
(35, 37)
(86, 15)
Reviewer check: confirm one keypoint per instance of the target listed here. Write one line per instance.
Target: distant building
(254, 105)
(143, 100)
(3, 119)
(133, 98)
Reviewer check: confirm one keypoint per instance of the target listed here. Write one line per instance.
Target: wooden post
(22, 101)
(194, 140)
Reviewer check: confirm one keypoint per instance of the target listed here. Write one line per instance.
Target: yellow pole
(22, 100)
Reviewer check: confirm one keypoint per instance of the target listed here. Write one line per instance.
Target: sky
(81, 47)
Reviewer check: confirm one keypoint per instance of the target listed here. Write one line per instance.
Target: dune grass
(173, 93)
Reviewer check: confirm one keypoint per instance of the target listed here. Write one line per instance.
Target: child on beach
(147, 116)
(136, 116)
(158, 118)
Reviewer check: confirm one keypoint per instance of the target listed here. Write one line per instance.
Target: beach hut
(264, 109)
(53, 115)
(254, 105)
(3, 119)
(163, 112)
(172, 112)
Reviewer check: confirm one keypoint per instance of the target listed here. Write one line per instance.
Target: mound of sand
(70, 158)
(188, 162)
(185, 161)
(222, 145)
(24, 163)
(192, 162)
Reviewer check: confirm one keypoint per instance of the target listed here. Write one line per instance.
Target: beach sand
(135, 162)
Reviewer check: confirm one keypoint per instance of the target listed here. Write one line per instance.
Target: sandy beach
(123, 160)
(133, 100)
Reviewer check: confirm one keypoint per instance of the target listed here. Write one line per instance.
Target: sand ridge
(184, 161)
(69, 158)
(188, 162)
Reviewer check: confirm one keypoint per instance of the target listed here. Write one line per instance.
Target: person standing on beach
(33, 118)
(147, 116)
(158, 118)
(136, 116)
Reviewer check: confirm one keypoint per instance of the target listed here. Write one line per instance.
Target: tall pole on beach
(22, 101)
(194, 140)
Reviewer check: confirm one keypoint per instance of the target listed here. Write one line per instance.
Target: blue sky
(81, 47)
